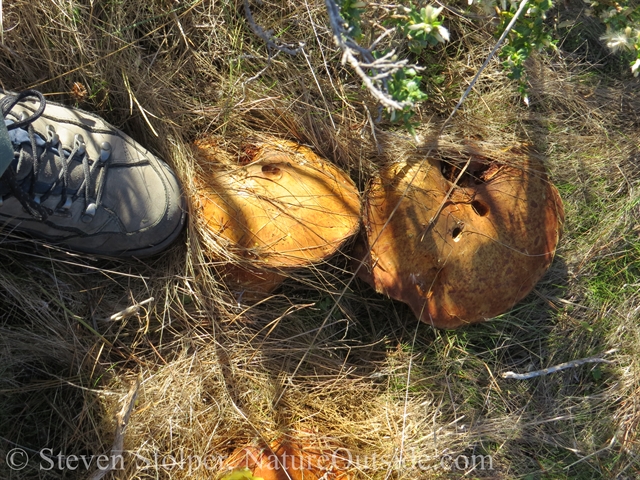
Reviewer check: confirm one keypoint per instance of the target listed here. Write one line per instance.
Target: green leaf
(596, 373)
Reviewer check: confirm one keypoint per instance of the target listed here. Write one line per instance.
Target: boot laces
(93, 171)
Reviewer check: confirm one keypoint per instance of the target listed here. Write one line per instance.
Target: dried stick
(444, 200)
(266, 36)
(557, 368)
(498, 44)
(132, 310)
(382, 68)
(122, 419)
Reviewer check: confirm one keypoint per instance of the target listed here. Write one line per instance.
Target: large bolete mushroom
(460, 253)
(287, 459)
(275, 207)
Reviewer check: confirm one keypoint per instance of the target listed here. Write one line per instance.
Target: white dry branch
(363, 61)
(267, 36)
(122, 420)
(132, 310)
(557, 368)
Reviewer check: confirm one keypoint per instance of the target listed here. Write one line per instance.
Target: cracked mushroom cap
(460, 254)
(279, 206)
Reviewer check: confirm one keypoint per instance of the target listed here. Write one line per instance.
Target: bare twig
(498, 44)
(264, 69)
(132, 310)
(557, 368)
(445, 200)
(1, 25)
(187, 42)
(362, 60)
(122, 419)
(267, 35)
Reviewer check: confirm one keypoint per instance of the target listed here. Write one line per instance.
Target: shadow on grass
(60, 356)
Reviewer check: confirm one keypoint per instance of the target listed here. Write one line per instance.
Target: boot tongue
(50, 169)
(20, 135)
(20, 139)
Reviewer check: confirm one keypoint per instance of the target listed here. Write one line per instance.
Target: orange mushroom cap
(283, 207)
(459, 254)
(288, 459)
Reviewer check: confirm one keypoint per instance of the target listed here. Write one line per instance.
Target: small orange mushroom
(278, 207)
(460, 253)
(287, 459)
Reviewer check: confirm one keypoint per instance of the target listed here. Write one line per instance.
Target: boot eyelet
(78, 141)
(52, 136)
(65, 209)
(89, 213)
(105, 151)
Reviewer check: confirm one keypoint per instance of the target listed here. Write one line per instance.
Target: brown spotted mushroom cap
(465, 256)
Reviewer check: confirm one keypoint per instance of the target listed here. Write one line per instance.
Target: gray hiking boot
(80, 183)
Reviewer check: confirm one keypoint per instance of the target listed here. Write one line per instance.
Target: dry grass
(217, 374)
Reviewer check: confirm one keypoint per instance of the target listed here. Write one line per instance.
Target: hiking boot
(80, 183)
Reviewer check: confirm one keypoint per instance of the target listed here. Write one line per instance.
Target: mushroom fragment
(287, 459)
(278, 207)
(460, 253)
